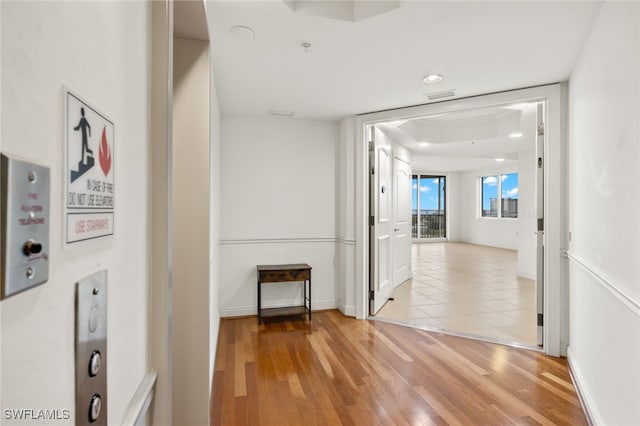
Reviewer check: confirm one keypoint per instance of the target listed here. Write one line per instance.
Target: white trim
(277, 240)
(586, 400)
(346, 241)
(349, 311)
(564, 347)
(429, 240)
(605, 281)
(252, 310)
(554, 187)
(138, 408)
(455, 333)
(526, 275)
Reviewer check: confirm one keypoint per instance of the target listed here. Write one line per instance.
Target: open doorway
(428, 207)
(476, 204)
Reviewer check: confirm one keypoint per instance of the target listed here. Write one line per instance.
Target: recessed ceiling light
(241, 32)
(515, 135)
(499, 159)
(424, 144)
(432, 79)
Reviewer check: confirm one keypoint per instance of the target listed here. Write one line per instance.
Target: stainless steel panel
(91, 350)
(24, 225)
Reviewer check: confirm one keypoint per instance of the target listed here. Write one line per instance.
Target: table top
(284, 267)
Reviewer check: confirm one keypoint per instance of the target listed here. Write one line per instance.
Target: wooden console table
(285, 273)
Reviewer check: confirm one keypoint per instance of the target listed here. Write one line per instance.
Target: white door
(401, 221)
(381, 225)
(540, 222)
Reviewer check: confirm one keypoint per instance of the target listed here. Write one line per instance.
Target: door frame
(418, 240)
(556, 325)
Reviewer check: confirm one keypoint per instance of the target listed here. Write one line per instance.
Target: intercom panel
(24, 225)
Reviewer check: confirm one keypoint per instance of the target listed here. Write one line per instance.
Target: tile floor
(468, 289)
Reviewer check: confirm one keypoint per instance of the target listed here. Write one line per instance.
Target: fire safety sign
(89, 171)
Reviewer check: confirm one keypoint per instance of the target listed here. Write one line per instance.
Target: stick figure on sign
(84, 126)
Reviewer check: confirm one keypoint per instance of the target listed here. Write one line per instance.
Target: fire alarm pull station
(24, 225)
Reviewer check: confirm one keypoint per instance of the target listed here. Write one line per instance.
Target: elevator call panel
(24, 225)
(91, 350)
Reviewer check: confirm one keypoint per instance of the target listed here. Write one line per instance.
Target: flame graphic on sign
(105, 153)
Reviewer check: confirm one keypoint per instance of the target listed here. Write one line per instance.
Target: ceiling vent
(286, 114)
(440, 95)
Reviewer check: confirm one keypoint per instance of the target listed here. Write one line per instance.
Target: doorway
(390, 216)
(494, 155)
(429, 212)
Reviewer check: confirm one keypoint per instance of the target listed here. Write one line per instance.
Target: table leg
(309, 297)
(259, 300)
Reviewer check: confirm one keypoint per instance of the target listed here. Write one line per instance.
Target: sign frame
(89, 184)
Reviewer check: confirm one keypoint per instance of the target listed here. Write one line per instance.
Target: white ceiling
(378, 63)
(468, 140)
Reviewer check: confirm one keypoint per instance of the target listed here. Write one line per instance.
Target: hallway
(237, 136)
(338, 370)
(468, 289)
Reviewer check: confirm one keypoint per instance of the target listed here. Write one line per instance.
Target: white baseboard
(252, 310)
(324, 305)
(237, 312)
(526, 275)
(588, 405)
(349, 311)
(564, 347)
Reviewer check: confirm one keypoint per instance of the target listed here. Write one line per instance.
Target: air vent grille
(440, 95)
(276, 113)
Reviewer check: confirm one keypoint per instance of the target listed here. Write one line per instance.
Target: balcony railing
(432, 224)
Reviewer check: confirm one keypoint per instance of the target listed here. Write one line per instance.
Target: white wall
(1, 80)
(603, 221)
(278, 201)
(479, 230)
(99, 50)
(215, 264)
(527, 214)
(527, 193)
(345, 220)
(454, 207)
(190, 242)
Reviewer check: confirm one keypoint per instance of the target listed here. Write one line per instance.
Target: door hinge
(540, 224)
(540, 320)
(370, 146)
(539, 162)
(373, 171)
(541, 129)
(372, 295)
(371, 221)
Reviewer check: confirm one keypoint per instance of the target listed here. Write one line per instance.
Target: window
(509, 195)
(490, 196)
(500, 190)
(428, 204)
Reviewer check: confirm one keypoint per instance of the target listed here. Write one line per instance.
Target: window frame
(499, 206)
(442, 201)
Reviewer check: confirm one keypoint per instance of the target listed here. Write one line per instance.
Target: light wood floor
(469, 289)
(337, 370)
